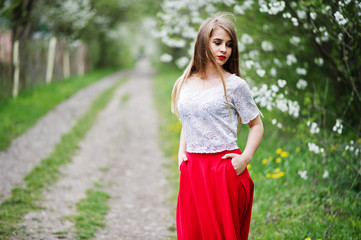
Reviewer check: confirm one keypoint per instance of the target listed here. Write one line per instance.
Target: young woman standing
(210, 98)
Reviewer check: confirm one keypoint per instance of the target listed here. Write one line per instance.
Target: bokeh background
(302, 60)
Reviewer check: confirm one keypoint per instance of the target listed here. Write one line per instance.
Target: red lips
(221, 57)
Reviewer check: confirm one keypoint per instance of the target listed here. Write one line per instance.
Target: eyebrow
(220, 39)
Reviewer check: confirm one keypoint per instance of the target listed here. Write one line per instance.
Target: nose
(223, 48)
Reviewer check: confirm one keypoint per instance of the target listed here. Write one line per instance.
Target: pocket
(232, 168)
(181, 165)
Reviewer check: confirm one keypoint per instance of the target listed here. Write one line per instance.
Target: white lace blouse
(207, 123)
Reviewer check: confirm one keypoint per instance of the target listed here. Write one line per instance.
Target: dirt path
(37, 143)
(121, 152)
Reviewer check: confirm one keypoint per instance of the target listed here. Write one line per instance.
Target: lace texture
(207, 123)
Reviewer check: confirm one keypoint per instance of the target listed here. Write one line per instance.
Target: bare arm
(182, 148)
(255, 134)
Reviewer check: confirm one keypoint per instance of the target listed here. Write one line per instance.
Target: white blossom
(301, 14)
(313, 15)
(301, 84)
(274, 121)
(182, 62)
(249, 64)
(286, 15)
(281, 83)
(166, 57)
(301, 71)
(295, 40)
(325, 174)
(279, 125)
(266, 46)
(338, 126)
(295, 21)
(318, 61)
(303, 174)
(273, 72)
(314, 128)
(312, 147)
(246, 39)
(260, 72)
(274, 88)
(340, 19)
(291, 59)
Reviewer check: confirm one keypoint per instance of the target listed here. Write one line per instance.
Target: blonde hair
(202, 54)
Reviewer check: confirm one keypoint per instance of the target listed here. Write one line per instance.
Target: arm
(182, 149)
(240, 161)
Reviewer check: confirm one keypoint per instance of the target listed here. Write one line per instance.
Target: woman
(210, 98)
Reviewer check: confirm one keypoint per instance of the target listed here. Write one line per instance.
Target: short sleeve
(244, 103)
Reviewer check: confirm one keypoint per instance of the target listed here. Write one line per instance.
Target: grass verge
(17, 115)
(285, 205)
(23, 199)
(91, 213)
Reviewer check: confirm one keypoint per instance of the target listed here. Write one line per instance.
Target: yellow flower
(280, 174)
(264, 161)
(308, 239)
(248, 166)
(279, 150)
(270, 158)
(332, 148)
(278, 160)
(284, 154)
(268, 175)
(273, 175)
(277, 170)
(298, 149)
(359, 140)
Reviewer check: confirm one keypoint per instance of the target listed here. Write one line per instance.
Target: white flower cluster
(182, 62)
(313, 127)
(294, 40)
(166, 57)
(318, 61)
(246, 39)
(301, 71)
(312, 147)
(303, 174)
(278, 124)
(340, 19)
(240, 9)
(338, 126)
(281, 83)
(301, 84)
(291, 59)
(352, 148)
(273, 7)
(267, 46)
(268, 98)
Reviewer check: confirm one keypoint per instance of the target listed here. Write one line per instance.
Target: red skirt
(213, 201)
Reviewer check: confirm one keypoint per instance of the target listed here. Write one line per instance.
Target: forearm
(254, 138)
(182, 144)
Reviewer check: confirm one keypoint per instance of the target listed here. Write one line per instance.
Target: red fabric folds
(213, 201)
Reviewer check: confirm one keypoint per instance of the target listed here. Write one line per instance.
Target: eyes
(228, 44)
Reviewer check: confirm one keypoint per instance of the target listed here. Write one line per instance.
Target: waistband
(237, 150)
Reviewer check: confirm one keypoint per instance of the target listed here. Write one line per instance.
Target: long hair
(202, 55)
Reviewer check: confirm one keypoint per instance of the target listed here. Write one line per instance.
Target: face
(221, 45)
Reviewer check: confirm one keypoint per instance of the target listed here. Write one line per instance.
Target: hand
(181, 157)
(239, 161)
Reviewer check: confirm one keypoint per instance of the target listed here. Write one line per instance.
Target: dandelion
(279, 150)
(277, 170)
(268, 175)
(308, 239)
(280, 174)
(285, 154)
(359, 140)
(248, 166)
(264, 161)
(278, 160)
(270, 158)
(298, 149)
(332, 148)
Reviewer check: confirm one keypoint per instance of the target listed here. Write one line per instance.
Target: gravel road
(122, 154)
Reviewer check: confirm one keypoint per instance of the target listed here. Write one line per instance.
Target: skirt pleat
(213, 201)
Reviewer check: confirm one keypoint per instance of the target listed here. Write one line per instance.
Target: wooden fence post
(51, 59)
(16, 62)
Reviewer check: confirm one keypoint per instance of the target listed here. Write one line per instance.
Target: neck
(211, 71)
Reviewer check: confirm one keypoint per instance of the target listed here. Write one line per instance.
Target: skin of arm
(240, 161)
(182, 149)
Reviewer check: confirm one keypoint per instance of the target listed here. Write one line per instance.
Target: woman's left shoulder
(236, 81)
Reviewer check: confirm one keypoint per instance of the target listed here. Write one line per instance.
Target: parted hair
(202, 55)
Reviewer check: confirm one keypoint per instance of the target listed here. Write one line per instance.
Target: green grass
(17, 115)
(287, 207)
(23, 199)
(91, 213)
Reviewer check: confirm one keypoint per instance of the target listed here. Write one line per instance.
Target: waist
(213, 154)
